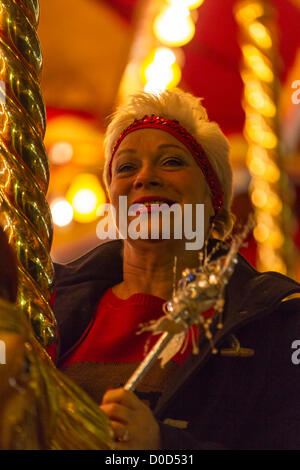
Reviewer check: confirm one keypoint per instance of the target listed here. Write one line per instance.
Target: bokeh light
(61, 153)
(85, 195)
(260, 35)
(258, 63)
(160, 70)
(62, 212)
(191, 4)
(85, 201)
(174, 26)
(249, 12)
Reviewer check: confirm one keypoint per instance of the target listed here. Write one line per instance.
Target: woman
(163, 149)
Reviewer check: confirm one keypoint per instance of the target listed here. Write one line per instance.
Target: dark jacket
(230, 402)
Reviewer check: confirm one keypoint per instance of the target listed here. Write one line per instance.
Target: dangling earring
(211, 225)
(212, 219)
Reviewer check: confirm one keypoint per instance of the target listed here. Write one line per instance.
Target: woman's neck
(149, 268)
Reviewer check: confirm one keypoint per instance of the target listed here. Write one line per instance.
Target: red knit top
(112, 349)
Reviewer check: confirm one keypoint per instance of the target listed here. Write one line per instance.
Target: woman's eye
(173, 161)
(124, 168)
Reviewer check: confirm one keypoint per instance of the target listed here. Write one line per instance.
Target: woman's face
(151, 162)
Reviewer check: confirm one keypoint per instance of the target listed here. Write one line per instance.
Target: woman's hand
(133, 423)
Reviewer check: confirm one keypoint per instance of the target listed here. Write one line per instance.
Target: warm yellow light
(61, 153)
(174, 26)
(160, 70)
(258, 99)
(269, 140)
(272, 173)
(269, 261)
(261, 233)
(255, 132)
(263, 105)
(249, 12)
(274, 204)
(157, 73)
(261, 35)
(261, 69)
(164, 55)
(267, 254)
(85, 201)
(280, 267)
(276, 239)
(258, 63)
(268, 108)
(264, 137)
(62, 212)
(261, 166)
(257, 152)
(85, 194)
(259, 198)
(265, 218)
(191, 4)
(257, 166)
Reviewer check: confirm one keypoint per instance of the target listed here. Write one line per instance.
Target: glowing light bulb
(276, 239)
(249, 12)
(62, 212)
(85, 201)
(260, 34)
(261, 232)
(269, 140)
(274, 204)
(61, 153)
(258, 63)
(257, 166)
(257, 152)
(260, 101)
(272, 173)
(190, 4)
(164, 55)
(174, 26)
(160, 70)
(259, 198)
(260, 133)
(85, 195)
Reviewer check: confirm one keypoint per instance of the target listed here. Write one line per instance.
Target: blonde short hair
(188, 110)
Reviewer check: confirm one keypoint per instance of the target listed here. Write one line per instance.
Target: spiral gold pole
(24, 171)
(40, 408)
(270, 189)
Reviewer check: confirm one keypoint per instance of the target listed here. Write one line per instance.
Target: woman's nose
(147, 177)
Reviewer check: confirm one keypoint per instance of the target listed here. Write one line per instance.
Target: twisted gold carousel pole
(24, 172)
(39, 406)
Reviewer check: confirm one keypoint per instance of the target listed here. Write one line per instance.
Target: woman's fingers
(134, 424)
(122, 396)
(121, 432)
(116, 412)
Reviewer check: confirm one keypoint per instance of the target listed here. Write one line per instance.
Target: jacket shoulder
(79, 286)
(254, 291)
(100, 263)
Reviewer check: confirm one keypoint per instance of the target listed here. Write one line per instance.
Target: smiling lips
(151, 203)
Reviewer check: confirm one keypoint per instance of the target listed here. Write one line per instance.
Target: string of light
(269, 188)
(157, 57)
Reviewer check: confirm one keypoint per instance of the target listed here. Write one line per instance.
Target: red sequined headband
(177, 130)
